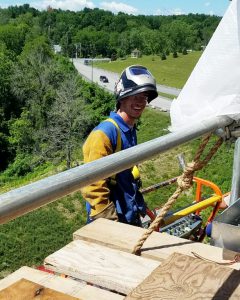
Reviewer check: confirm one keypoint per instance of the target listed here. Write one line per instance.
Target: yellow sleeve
(96, 146)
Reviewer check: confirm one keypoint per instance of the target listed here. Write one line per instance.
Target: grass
(167, 95)
(30, 238)
(7, 183)
(27, 240)
(171, 72)
(163, 166)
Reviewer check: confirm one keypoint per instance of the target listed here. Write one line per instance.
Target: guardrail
(32, 196)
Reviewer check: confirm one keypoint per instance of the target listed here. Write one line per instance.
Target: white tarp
(213, 88)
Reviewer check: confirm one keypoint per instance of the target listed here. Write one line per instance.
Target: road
(92, 74)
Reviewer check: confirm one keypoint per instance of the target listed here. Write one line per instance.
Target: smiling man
(118, 198)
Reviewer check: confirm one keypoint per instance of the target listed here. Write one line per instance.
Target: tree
(14, 36)
(5, 152)
(8, 105)
(135, 40)
(163, 56)
(153, 41)
(34, 80)
(21, 136)
(67, 121)
(178, 34)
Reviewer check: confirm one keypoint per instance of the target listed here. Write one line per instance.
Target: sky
(135, 7)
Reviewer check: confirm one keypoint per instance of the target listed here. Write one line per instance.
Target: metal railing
(235, 188)
(32, 196)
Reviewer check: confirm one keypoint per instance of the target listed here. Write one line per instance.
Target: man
(118, 198)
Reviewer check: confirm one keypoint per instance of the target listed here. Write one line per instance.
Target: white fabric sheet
(213, 88)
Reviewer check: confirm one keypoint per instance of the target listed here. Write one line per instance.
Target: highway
(93, 74)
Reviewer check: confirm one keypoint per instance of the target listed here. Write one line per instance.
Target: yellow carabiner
(135, 172)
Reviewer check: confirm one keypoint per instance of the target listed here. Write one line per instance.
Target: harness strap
(112, 179)
(119, 142)
(135, 170)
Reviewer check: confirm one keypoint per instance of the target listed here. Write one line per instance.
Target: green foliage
(59, 108)
(4, 146)
(47, 229)
(20, 167)
(67, 120)
(8, 180)
(14, 36)
(38, 46)
(16, 11)
(46, 110)
(8, 105)
(99, 104)
(34, 79)
(103, 33)
(21, 133)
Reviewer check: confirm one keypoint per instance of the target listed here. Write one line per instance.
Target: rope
(184, 182)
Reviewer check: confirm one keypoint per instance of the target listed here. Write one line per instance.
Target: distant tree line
(102, 33)
(46, 109)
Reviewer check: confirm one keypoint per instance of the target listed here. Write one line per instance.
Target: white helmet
(134, 80)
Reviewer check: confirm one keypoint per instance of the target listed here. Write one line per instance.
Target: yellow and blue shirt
(125, 194)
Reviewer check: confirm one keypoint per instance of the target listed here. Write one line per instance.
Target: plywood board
(112, 269)
(158, 246)
(184, 277)
(65, 285)
(24, 289)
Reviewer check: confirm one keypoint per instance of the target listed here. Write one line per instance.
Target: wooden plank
(65, 285)
(112, 269)
(158, 246)
(185, 277)
(24, 289)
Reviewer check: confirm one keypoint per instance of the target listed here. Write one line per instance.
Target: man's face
(133, 106)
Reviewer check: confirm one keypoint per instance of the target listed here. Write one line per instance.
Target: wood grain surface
(28, 290)
(67, 286)
(105, 267)
(158, 246)
(184, 277)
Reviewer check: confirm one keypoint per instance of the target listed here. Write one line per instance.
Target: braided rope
(184, 182)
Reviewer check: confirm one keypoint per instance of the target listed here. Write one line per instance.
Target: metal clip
(230, 133)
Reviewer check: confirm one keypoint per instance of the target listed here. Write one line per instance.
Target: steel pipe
(235, 189)
(32, 196)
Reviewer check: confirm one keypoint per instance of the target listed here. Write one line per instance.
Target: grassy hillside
(30, 238)
(165, 165)
(172, 71)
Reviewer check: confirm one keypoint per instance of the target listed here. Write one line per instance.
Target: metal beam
(235, 189)
(27, 198)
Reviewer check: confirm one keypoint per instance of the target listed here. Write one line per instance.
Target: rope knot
(186, 179)
(184, 182)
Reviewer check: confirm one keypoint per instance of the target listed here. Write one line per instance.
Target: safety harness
(135, 170)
